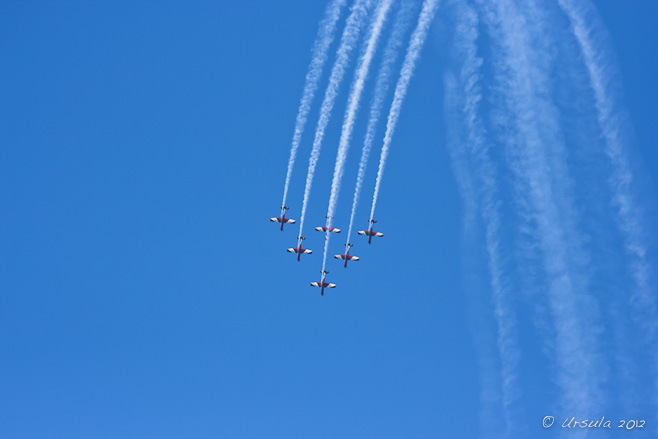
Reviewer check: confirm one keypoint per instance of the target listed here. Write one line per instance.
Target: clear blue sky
(143, 291)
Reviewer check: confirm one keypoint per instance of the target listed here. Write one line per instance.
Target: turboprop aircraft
(329, 229)
(370, 233)
(322, 284)
(282, 219)
(347, 256)
(299, 250)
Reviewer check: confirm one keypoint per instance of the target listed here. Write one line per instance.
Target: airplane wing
(292, 250)
(324, 229)
(354, 258)
(339, 256)
(362, 232)
(379, 234)
(307, 251)
(331, 286)
(315, 284)
(290, 221)
(275, 220)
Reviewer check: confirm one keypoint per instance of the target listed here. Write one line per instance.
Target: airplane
(370, 233)
(330, 229)
(282, 219)
(299, 250)
(322, 284)
(347, 256)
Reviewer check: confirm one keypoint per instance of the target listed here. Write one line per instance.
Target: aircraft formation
(345, 257)
(364, 25)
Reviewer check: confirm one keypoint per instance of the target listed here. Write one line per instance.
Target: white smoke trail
(621, 181)
(382, 84)
(323, 40)
(536, 157)
(360, 77)
(486, 197)
(484, 330)
(413, 52)
(347, 42)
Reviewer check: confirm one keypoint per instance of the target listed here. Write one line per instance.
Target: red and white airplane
(329, 229)
(347, 256)
(322, 284)
(370, 233)
(299, 250)
(282, 219)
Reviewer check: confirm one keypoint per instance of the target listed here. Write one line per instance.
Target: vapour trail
(487, 198)
(413, 52)
(354, 98)
(474, 286)
(621, 181)
(535, 154)
(382, 85)
(323, 40)
(347, 42)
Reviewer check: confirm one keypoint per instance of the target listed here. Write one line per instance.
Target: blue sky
(144, 293)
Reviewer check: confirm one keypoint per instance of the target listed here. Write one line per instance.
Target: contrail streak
(487, 198)
(360, 77)
(413, 52)
(621, 181)
(484, 332)
(323, 40)
(535, 154)
(347, 42)
(382, 84)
